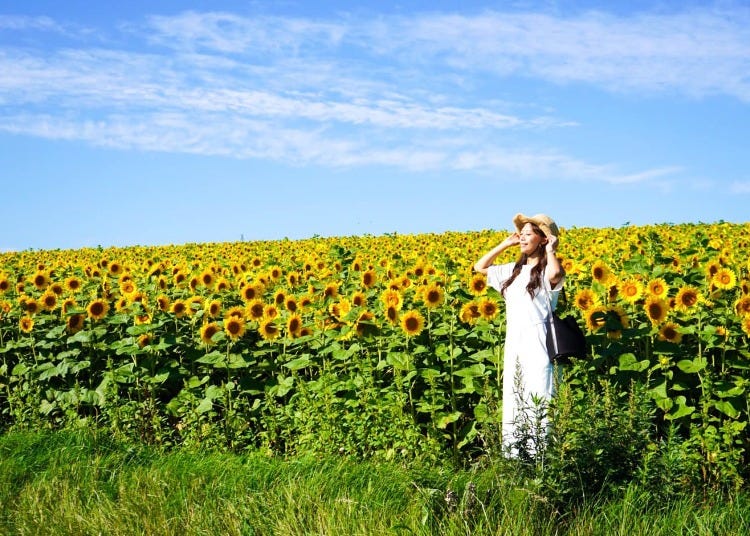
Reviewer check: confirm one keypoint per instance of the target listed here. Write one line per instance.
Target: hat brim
(519, 220)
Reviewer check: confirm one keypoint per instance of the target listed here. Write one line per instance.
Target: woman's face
(529, 240)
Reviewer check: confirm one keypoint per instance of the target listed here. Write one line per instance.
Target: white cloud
(740, 187)
(358, 91)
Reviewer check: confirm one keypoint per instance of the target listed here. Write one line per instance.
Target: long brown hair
(535, 280)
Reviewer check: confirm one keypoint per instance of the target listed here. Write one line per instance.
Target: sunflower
(162, 302)
(194, 304)
(331, 290)
(275, 273)
(138, 297)
(223, 285)
(596, 317)
(207, 332)
(746, 324)
(585, 299)
(365, 324)
(600, 272)
(56, 288)
(687, 298)
(29, 305)
(178, 308)
(658, 288)
(617, 319)
(207, 278)
(255, 309)
(742, 306)
(251, 291)
(488, 308)
(394, 284)
(470, 313)
(656, 309)
(127, 287)
(114, 267)
(40, 280)
(4, 284)
(268, 329)
(340, 309)
(48, 301)
(668, 332)
(26, 324)
(235, 312)
(631, 290)
(68, 304)
(305, 302)
(478, 284)
(279, 297)
(213, 309)
(391, 297)
(270, 311)
(234, 327)
(74, 323)
(294, 326)
(412, 323)
(142, 318)
(293, 279)
(97, 309)
(369, 278)
(391, 314)
(433, 296)
(712, 268)
(145, 339)
(724, 279)
(359, 299)
(121, 305)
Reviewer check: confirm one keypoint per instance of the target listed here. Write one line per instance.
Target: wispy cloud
(393, 91)
(740, 187)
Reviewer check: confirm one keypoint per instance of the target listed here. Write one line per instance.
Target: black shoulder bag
(565, 338)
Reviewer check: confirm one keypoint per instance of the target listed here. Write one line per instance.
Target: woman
(530, 287)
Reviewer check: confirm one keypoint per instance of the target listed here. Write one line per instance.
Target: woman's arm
(486, 261)
(554, 270)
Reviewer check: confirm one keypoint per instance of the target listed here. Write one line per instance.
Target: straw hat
(544, 222)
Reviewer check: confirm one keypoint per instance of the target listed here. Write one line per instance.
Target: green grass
(83, 483)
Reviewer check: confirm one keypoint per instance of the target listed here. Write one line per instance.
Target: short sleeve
(497, 274)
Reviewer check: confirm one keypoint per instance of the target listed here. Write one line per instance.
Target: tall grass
(85, 483)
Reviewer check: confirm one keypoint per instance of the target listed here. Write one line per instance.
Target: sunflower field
(379, 346)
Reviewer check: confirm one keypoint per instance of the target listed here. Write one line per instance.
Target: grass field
(83, 483)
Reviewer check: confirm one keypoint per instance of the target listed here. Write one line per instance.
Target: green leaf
(20, 369)
(205, 406)
(474, 371)
(443, 420)
(299, 363)
(212, 358)
(729, 407)
(681, 409)
(630, 362)
(659, 391)
(692, 366)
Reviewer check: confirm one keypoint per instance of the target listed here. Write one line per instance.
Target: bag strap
(550, 319)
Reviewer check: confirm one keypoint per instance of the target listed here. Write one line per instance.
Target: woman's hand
(551, 246)
(513, 240)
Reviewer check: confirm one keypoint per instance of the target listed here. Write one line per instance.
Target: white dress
(528, 376)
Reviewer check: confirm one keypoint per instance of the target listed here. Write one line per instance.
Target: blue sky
(147, 123)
